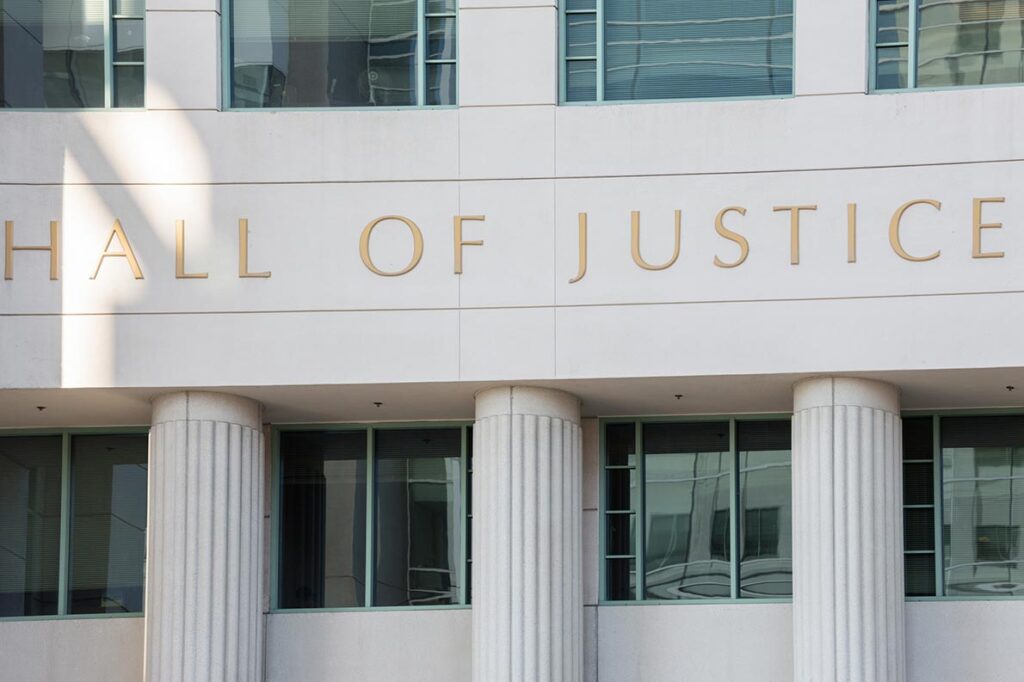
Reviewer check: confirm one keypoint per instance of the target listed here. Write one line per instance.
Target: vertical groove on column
(203, 566)
(527, 539)
(847, 561)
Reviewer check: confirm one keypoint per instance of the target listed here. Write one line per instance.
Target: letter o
(417, 246)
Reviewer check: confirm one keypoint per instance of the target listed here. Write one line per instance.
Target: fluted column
(847, 532)
(204, 550)
(527, 602)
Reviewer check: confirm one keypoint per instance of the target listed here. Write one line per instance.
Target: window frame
(640, 539)
(940, 583)
(873, 45)
(277, 482)
(110, 62)
(422, 62)
(599, 99)
(64, 566)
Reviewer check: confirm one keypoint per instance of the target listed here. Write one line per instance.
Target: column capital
(549, 402)
(207, 406)
(853, 391)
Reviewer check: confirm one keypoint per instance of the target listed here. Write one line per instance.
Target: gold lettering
(459, 243)
(243, 251)
(179, 254)
(851, 233)
(125, 252)
(53, 248)
(794, 230)
(417, 245)
(722, 230)
(635, 242)
(583, 249)
(976, 251)
(894, 230)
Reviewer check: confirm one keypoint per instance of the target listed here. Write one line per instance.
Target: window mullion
(465, 511)
(421, 52)
(64, 560)
(371, 480)
(734, 497)
(108, 55)
(641, 517)
(276, 486)
(599, 52)
(912, 6)
(937, 501)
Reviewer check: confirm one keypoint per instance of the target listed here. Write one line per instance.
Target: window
(712, 501)
(72, 524)
(373, 516)
(59, 54)
(621, 50)
(979, 488)
(342, 53)
(928, 44)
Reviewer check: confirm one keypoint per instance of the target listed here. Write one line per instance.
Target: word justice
(124, 249)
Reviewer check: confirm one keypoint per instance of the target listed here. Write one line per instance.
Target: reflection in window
(687, 469)
(664, 49)
(958, 42)
(419, 516)
(323, 519)
(983, 505)
(30, 491)
(342, 53)
(716, 509)
(53, 53)
(108, 523)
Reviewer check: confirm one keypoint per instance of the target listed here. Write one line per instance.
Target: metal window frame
(599, 65)
(640, 531)
(227, 66)
(370, 428)
(940, 569)
(64, 551)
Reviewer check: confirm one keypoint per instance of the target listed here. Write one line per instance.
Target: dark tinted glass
(52, 53)
(108, 523)
(919, 570)
(419, 516)
(686, 476)
(30, 482)
(766, 508)
(983, 505)
(323, 519)
(326, 53)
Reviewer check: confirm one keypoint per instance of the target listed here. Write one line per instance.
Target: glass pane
(419, 516)
(581, 35)
(918, 486)
(440, 6)
(621, 491)
(891, 68)
(29, 524)
(918, 529)
(891, 22)
(970, 42)
(620, 575)
(661, 49)
(620, 540)
(917, 438)
(108, 523)
(766, 508)
(574, 5)
(983, 505)
(129, 84)
(620, 444)
(687, 470)
(441, 84)
(130, 8)
(441, 38)
(52, 54)
(919, 570)
(323, 53)
(129, 40)
(581, 81)
(323, 519)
